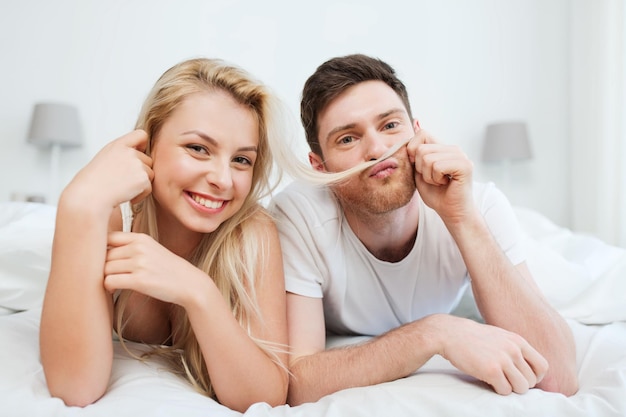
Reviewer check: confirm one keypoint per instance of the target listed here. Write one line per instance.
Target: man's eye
(391, 125)
(346, 139)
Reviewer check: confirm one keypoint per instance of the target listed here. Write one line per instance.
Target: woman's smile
(206, 202)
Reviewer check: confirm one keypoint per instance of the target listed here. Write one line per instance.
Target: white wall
(466, 63)
(598, 118)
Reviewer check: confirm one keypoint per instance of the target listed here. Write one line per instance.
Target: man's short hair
(334, 77)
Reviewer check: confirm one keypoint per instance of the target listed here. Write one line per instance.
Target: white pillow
(26, 232)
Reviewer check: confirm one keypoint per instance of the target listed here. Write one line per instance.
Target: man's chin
(375, 201)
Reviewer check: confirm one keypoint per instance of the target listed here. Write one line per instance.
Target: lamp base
(55, 159)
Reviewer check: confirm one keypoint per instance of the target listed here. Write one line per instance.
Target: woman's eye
(242, 160)
(197, 148)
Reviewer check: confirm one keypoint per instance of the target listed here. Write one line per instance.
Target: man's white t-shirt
(362, 294)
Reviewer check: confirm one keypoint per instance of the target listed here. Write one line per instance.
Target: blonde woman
(200, 276)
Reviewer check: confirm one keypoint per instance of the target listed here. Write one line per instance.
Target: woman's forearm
(241, 373)
(75, 334)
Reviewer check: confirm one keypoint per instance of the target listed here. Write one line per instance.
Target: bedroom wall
(598, 122)
(466, 63)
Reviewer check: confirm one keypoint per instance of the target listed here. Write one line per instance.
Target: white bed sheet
(437, 389)
(583, 277)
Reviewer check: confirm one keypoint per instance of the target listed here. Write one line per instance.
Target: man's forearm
(393, 355)
(508, 298)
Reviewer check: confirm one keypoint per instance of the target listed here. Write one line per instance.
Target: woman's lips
(206, 201)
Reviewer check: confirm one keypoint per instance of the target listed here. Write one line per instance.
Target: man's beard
(365, 195)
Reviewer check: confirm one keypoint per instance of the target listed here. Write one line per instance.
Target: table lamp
(505, 142)
(55, 126)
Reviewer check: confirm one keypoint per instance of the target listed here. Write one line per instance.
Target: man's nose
(377, 145)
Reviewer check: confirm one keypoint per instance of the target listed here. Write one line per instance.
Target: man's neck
(389, 236)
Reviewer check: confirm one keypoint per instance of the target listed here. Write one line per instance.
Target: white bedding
(584, 278)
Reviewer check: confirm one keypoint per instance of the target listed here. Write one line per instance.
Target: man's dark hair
(334, 77)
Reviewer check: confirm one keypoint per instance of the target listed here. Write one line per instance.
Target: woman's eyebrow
(215, 143)
(202, 135)
(248, 149)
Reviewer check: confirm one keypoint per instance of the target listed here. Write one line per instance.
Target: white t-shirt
(362, 294)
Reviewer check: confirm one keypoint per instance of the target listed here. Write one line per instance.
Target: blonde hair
(301, 171)
(232, 253)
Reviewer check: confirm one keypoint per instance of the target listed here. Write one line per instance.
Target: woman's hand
(119, 172)
(137, 262)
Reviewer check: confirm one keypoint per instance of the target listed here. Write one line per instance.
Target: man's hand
(443, 176)
(502, 359)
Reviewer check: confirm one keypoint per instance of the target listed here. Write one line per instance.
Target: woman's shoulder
(260, 223)
(260, 218)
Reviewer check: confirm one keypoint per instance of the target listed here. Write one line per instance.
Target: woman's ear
(316, 162)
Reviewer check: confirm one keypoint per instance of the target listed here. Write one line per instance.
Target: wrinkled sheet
(437, 389)
(584, 278)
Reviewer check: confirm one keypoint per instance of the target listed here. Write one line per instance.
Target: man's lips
(380, 168)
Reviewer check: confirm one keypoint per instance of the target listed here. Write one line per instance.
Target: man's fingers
(437, 168)
(420, 138)
(536, 362)
(423, 137)
(520, 380)
(527, 369)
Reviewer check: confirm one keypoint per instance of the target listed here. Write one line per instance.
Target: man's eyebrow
(339, 129)
(390, 112)
(352, 125)
(215, 143)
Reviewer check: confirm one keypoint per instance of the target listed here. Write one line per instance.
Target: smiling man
(389, 252)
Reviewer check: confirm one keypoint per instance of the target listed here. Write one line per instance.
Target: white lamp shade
(55, 124)
(506, 141)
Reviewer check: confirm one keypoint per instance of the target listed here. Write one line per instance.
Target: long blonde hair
(232, 253)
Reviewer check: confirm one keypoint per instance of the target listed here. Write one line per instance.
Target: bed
(584, 278)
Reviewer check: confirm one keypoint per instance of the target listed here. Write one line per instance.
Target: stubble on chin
(370, 196)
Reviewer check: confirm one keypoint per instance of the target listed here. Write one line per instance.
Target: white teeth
(207, 203)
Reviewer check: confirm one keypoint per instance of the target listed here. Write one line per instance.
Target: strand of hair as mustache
(304, 172)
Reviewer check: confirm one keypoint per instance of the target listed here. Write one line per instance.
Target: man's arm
(500, 358)
(316, 372)
(508, 297)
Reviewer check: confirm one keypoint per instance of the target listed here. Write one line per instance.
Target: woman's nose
(219, 174)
